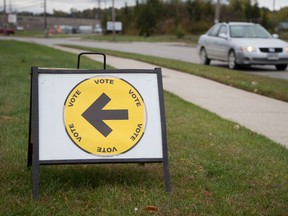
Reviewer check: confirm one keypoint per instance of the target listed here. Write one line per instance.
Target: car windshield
(249, 31)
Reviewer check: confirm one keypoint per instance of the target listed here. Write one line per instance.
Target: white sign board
(69, 129)
(12, 18)
(117, 26)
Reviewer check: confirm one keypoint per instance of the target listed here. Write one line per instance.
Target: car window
(248, 31)
(214, 30)
(223, 29)
(236, 31)
(261, 32)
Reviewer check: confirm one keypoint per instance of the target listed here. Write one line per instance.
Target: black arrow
(95, 115)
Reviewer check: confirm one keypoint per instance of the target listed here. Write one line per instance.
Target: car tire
(203, 57)
(232, 61)
(281, 67)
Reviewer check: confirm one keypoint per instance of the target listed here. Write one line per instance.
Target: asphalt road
(178, 51)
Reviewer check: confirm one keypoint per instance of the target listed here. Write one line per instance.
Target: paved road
(178, 51)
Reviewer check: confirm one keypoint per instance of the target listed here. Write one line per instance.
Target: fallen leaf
(254, 83)
(8, 118)
(208, 193)
(237, 126)
(151, 209)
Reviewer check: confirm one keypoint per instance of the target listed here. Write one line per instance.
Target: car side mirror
(223, 35)
(275, 35)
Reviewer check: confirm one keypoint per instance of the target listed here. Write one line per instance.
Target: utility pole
(113, 20)
(4, 16)
(45, 20)
(217, 12)
(99, 9)
(98, 16)
(273, 12)
(4, 8)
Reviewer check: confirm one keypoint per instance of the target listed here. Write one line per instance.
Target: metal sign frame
(33, 143)
(91, 53)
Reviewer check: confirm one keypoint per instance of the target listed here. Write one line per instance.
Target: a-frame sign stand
(96, 116)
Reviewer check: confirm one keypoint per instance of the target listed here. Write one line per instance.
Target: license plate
(272, 56)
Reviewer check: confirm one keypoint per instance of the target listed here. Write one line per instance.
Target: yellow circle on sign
(105, 116)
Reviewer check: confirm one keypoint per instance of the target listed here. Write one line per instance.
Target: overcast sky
(37, 6)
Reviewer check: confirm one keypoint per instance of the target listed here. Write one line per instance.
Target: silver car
(242, 44)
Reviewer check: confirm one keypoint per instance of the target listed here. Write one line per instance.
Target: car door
(210, 41)
(221, 43)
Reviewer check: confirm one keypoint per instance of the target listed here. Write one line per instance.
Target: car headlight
(248, 49)
(286, 49)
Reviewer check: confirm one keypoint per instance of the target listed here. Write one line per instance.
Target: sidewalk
(260, 114)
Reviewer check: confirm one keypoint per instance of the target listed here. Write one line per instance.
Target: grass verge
(188, 39)
(216, 168)
(270, 87)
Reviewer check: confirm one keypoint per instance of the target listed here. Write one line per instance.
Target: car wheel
(203, 57)
(281, 67)
(232, 60)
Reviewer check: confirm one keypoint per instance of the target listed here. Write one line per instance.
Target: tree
(194, 9)
(256, 11)
(60, 13)
(148, 17)
(248, 10)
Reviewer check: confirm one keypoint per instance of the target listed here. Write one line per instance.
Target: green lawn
(217, 167)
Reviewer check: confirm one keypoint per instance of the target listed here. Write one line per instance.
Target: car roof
(240, 23)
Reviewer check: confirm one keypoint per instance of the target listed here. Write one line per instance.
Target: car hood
(259, 42)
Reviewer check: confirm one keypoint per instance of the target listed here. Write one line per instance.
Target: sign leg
(35, 180)
(30, 146)
(167, 177)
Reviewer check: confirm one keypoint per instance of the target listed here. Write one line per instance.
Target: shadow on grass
(98, 176)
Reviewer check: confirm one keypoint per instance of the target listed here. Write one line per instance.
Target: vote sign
(101, 115)
(105, 115)
(84, 116)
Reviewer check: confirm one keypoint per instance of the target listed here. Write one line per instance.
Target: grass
(30, 33)
(267, 86)
(217, 167)
(189, 39)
